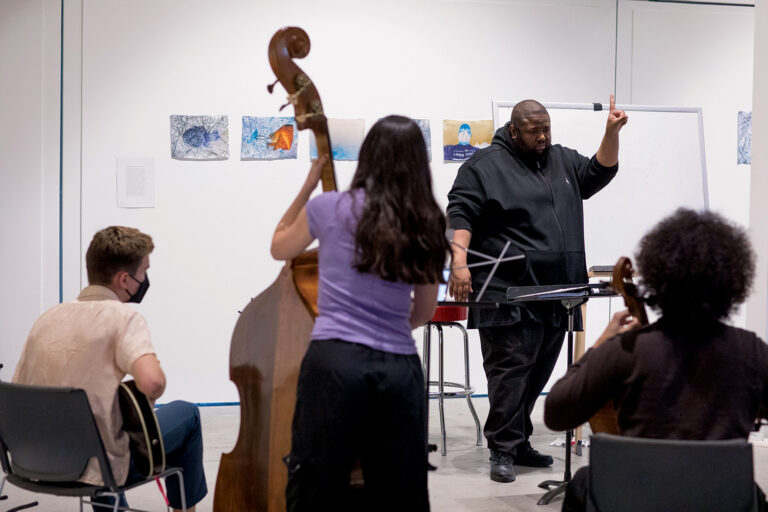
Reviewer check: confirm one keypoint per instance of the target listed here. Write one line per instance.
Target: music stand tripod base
(554, 489)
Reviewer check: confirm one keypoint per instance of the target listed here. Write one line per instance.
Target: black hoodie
(536, 204)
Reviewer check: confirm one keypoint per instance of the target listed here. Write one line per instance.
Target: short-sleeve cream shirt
(89, 343)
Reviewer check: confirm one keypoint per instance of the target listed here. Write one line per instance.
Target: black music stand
(570, 296)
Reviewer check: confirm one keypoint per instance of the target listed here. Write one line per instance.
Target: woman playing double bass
(689, 375)
(382, 250)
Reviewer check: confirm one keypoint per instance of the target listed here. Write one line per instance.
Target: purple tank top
(354, 306)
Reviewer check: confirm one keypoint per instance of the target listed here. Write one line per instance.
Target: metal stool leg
(441, 389)
(425, 362)
(425, 354)
(447, 389)
(467, 386)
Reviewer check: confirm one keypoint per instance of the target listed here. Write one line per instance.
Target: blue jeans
(183, 439)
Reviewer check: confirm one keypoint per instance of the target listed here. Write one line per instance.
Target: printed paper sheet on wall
(744, 146)
(199, 137)
(425, 130)
(462, 138)
(346, 138)
(269, 138)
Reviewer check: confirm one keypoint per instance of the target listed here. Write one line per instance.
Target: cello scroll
(621, 282)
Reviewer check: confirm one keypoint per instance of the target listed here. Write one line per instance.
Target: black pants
(518, 361)
(356, 402)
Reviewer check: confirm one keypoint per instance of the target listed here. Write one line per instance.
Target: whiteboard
(662, 167)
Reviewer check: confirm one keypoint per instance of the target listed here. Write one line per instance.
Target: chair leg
(98, 506)
(441, 389)
(467, 385)
(425, 351)
(4, 497)
(23, 507)
(181, 492)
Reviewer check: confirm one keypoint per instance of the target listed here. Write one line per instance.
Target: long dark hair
(400, 233)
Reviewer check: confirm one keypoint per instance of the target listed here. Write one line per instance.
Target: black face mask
(143, 286)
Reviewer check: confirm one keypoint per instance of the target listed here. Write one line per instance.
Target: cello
(273, 332)
(605, 420)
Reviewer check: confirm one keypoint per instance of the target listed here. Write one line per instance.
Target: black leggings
(354, 402)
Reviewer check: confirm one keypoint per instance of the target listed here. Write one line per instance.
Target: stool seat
(450, 314)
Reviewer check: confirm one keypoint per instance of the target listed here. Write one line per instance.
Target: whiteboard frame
(496, 104)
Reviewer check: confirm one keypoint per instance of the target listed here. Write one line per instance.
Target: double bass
(273, 331)
(605, 420)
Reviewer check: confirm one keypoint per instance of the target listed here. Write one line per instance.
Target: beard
(531, 157)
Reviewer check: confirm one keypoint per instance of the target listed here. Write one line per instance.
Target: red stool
(448, 316)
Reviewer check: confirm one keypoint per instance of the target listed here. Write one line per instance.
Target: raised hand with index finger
(616, 118)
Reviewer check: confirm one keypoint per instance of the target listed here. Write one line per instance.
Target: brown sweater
(668, 384)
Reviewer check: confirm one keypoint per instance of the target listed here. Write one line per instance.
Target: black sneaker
(502, 467)
(527, 456)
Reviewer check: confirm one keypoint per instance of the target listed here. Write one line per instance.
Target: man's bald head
(529, 129)
(525, 110)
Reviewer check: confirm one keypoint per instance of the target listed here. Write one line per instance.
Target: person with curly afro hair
(698, 267)
(689, 375)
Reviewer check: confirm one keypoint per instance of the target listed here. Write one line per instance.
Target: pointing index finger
(613, 103)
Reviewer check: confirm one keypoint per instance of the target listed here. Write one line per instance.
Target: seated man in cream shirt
(95, 340)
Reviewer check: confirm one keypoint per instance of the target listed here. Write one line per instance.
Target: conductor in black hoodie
(524, 190)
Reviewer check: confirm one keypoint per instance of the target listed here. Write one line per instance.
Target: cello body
(273, 332)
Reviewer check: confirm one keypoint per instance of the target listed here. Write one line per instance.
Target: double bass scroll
(287, 44)
(273, 331)
(293, 43)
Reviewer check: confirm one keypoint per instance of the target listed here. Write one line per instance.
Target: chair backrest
(654, 475)
(50, 434)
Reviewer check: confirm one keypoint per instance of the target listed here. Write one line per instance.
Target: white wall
(758, 206)
(29, 168)
(213, 220)
(143, 61)
(695, 55)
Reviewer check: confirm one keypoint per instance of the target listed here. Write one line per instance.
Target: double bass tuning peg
(271, 87)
